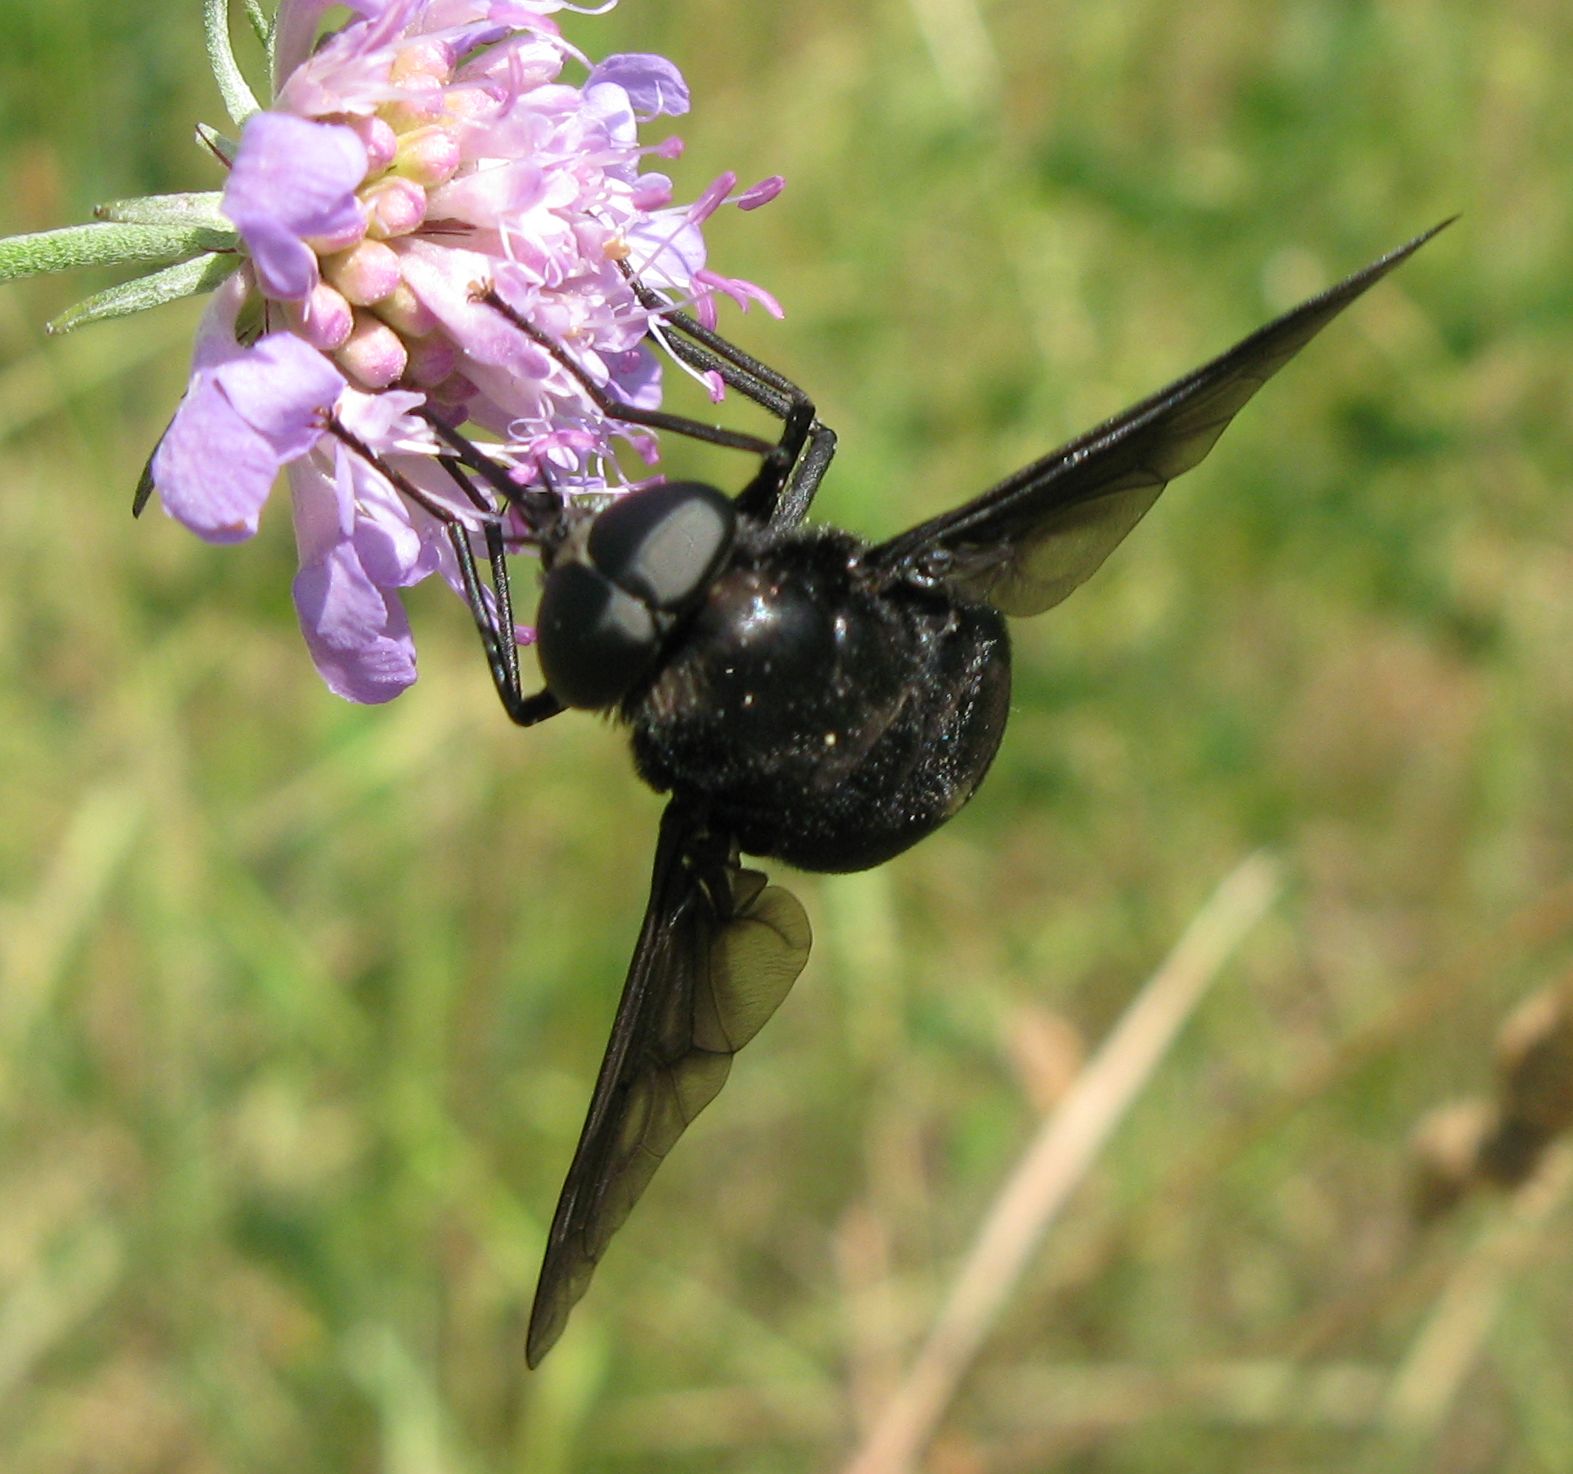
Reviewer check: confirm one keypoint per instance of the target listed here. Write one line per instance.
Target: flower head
(424, 152)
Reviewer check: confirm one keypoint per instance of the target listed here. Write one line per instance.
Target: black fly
(801, 695)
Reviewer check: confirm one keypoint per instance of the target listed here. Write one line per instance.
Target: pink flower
(428, 148)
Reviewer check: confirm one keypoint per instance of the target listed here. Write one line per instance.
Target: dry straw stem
(1056, 1161)
(1428, 1380)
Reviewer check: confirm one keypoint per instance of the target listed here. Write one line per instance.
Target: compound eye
(662, 545)
(595, 640)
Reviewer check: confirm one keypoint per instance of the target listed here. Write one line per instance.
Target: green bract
(184, 235)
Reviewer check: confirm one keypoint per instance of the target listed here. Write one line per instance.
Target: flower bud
(431, 361)
(365, 274)
(380, 140)
(352, 231)
(324, 319)
(405, 313)
(421, 104)
(393, 207)
(473, 104)
(374, 355)
(428, 156)
(425, 57)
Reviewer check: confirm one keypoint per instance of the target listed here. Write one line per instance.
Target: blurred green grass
(301, 1003)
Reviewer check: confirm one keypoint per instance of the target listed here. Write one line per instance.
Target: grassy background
(300, 1003)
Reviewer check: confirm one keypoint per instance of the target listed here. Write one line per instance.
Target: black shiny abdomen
(827, 722)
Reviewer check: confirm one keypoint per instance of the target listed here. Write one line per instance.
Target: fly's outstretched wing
(718, 950)
(1028, 542)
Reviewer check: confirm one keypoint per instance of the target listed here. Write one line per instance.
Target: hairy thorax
(827, 723)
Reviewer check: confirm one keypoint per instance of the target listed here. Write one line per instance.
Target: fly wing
(1027, 543)
(718, 951)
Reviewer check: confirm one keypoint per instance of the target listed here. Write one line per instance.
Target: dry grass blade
(1427, 1381)
(1055, 1163)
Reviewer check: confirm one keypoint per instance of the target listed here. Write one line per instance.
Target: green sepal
(186, 279)
(145, 484)
(105, 244)
(197, 209)
(251, 322)
(219, 145)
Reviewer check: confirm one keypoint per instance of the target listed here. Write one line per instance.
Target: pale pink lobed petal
(292, 179)
(246, 413)
(653, 85)
(358, 634)
(513, 177)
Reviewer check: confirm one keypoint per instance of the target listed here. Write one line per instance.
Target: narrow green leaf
(184, 280)
(105, 244)
(239, 100)
(260, 23)
(197, 208)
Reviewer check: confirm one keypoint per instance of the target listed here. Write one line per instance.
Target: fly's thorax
(786, 640)
(825, 718)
